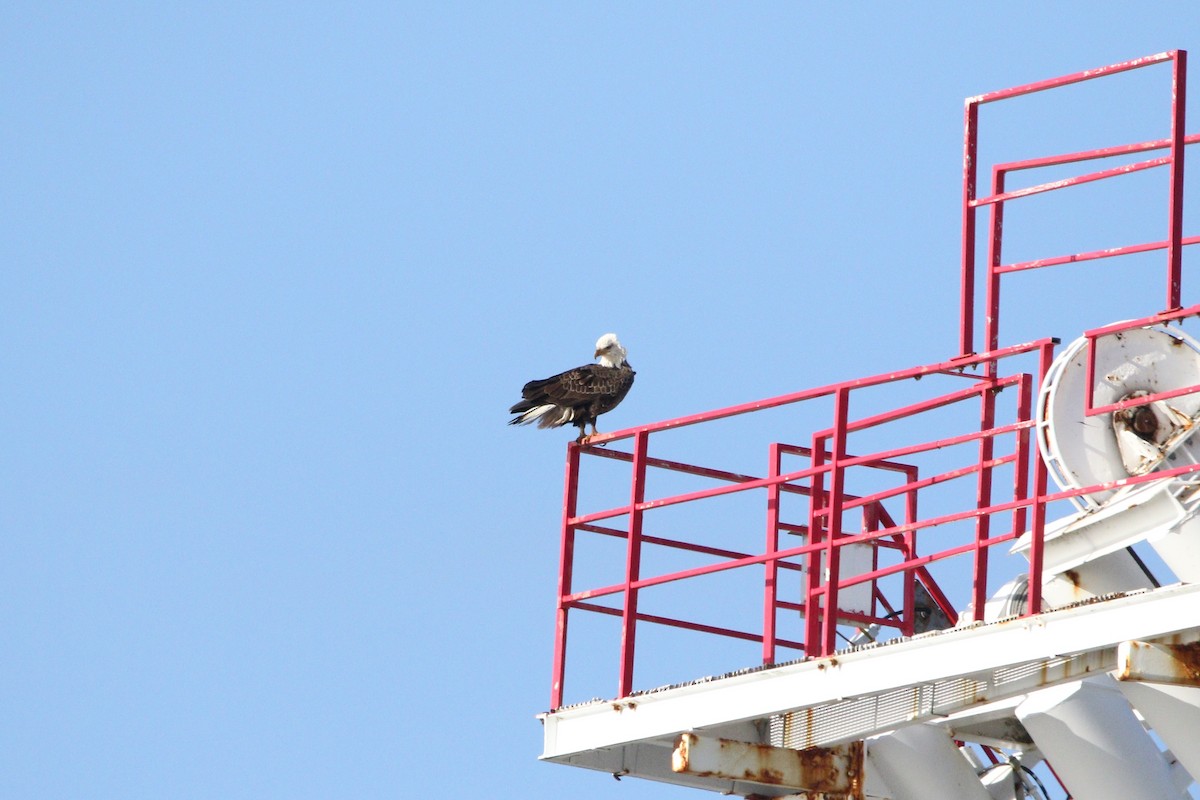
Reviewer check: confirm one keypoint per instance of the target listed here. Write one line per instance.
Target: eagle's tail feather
(556, 416)
(546, 415)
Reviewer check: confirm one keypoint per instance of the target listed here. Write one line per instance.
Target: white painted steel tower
(975, 579)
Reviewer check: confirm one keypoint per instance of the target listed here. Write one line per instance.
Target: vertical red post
(771, 566)
(983, 522)
(909, 538)
(817, 524)
(1022, 454)
(872, 520)
(1175, 229)
(1089, 375)
(970, 151)
(1038, 512)
(837, 500)
(995, 242)
(566, 562)
(633, 562)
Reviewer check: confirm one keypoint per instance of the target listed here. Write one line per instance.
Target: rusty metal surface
(1172, 663)
(835, 773)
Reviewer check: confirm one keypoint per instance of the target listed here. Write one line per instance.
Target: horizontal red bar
(718, 491)
(1090, 155)
(941, 401)
(677, 544)
(673, 466)
(953, 366)
(849, 616)
(1075, 77)
(1141, 401)
(806, 452)
(1050, 186)
(930, 481)
(1154, 319)
(694, 626)
(1092, 256)
(938, 444)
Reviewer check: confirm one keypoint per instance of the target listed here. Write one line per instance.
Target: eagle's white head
(609, 351)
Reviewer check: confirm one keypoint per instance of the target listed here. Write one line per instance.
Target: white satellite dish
(1083, 451)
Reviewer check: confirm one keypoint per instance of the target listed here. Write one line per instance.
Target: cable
(1041, 787)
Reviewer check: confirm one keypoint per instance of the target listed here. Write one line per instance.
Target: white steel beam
(929, 657)
(834, 773)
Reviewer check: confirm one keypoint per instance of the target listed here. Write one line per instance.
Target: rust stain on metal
(764, 775)
(1179, 663)
(823, 769)
(1188, 656)
(1125, 672)
(759, 770)
(819, 765)
(834, 769)
(681, 757)
(978, 692)
(788, 720)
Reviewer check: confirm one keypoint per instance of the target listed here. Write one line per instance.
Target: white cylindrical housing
(1099, 750)
(920, 762)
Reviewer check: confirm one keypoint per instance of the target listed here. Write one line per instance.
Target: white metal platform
(966, 680)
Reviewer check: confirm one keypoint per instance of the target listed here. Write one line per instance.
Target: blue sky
(274, 273)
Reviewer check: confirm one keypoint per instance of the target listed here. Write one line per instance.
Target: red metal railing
(855, 445)
(826, 531)
(971, 203)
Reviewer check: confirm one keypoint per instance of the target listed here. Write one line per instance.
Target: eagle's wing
(575, 386)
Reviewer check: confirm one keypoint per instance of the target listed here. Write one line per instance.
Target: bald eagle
(578, 395)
